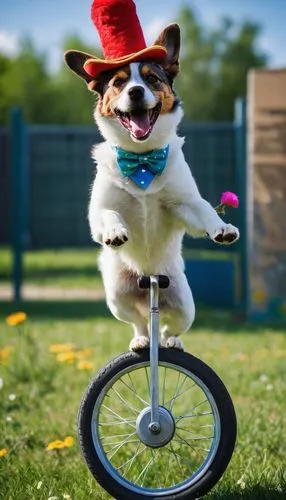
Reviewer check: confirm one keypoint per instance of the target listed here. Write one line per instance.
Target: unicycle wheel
(197, 436)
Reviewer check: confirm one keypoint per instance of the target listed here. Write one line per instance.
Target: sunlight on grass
(68, 268)
(40, 394)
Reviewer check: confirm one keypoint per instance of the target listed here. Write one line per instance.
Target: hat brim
(94, 66)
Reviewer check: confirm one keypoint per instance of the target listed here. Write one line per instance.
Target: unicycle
(158, 423)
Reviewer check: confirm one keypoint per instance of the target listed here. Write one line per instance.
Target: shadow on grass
(253, 493)
(231, 321)
(206, 319)
(58, 272)
(44, 310)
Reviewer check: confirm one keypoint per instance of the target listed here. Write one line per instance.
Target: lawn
(40, 397)
(67, 269)
(40, 391)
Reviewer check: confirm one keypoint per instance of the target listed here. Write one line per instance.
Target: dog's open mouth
(139, 122)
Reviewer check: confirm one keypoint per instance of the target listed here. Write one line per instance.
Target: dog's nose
(136, 93)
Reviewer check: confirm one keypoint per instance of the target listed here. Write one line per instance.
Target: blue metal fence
(52, 173)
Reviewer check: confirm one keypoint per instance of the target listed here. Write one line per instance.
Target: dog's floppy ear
(75, 59)
(170, 39)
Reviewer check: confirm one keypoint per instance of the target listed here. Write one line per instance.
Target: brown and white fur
(141, 231)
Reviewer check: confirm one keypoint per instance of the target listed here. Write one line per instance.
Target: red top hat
(121, 37)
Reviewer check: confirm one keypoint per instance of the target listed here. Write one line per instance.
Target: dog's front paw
(138, 343)
(225, 235)
(174, 343)
(116, 236)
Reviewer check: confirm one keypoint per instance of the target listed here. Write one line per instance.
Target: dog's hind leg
(178, 312)
(124, 309)
(122, 294)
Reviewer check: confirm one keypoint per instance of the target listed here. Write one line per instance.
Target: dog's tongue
(140, 124)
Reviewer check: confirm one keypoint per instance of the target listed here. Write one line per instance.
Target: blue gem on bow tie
(142, 167)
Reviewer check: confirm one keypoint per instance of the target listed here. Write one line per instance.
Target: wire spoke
(134, 392)
(195, 449)
(116, 443)
(148, 381)
(131, 460)
(177, 392)
(115, 436)
(145, 473)
(145, 468)
(118, 417)
(203, 414)
(180, 394)
(191, 414)
(124, 422)
(187, 431)
(123, 401)
(118, 447)
(183, 459)
(164, 382)
(176, 456)
(199, 438)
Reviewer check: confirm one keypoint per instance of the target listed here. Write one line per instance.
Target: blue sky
(48, 21)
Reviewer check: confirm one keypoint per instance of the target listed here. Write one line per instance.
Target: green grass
(250, 360)
(72, 268)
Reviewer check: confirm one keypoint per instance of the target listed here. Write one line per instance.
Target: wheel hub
(154, 437)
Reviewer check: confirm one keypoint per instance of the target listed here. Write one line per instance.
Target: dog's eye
(118, 82)
(151, 78)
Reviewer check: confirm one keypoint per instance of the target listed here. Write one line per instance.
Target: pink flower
(230, 199)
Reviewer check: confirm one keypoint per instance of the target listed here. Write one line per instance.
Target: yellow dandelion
(85, 365)
(55, 445)
(58, 444)
(68, 441)
(5, 354)
(16, 318)
(58, 348)
(3, 452)
(84, 353)
(66, 357)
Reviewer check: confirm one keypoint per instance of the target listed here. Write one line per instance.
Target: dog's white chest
(151, 215)
(150, 226)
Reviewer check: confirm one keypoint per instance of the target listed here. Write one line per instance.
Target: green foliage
(214, 66)
(59, 98)
(25, 82)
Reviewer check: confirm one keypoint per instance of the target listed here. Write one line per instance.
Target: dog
(141, 230)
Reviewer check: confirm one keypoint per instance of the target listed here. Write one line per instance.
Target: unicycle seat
(145, 281)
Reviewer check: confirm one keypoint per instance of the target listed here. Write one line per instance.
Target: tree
(25, 82)
(214, 65)
(75, 101)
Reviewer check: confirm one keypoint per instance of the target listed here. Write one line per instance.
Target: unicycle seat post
(154, 345)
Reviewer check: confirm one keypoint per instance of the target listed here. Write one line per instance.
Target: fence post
(19, 184)
(242, 183)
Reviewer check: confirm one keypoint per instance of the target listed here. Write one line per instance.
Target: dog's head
(136, 102)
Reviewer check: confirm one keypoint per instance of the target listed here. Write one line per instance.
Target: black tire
(225, 409)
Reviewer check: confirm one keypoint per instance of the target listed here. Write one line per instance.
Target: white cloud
(154, 28)
(9, 43)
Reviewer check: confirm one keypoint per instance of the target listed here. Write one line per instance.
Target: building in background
(266, 98)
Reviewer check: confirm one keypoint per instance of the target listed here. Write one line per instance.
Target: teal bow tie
(142, 167)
